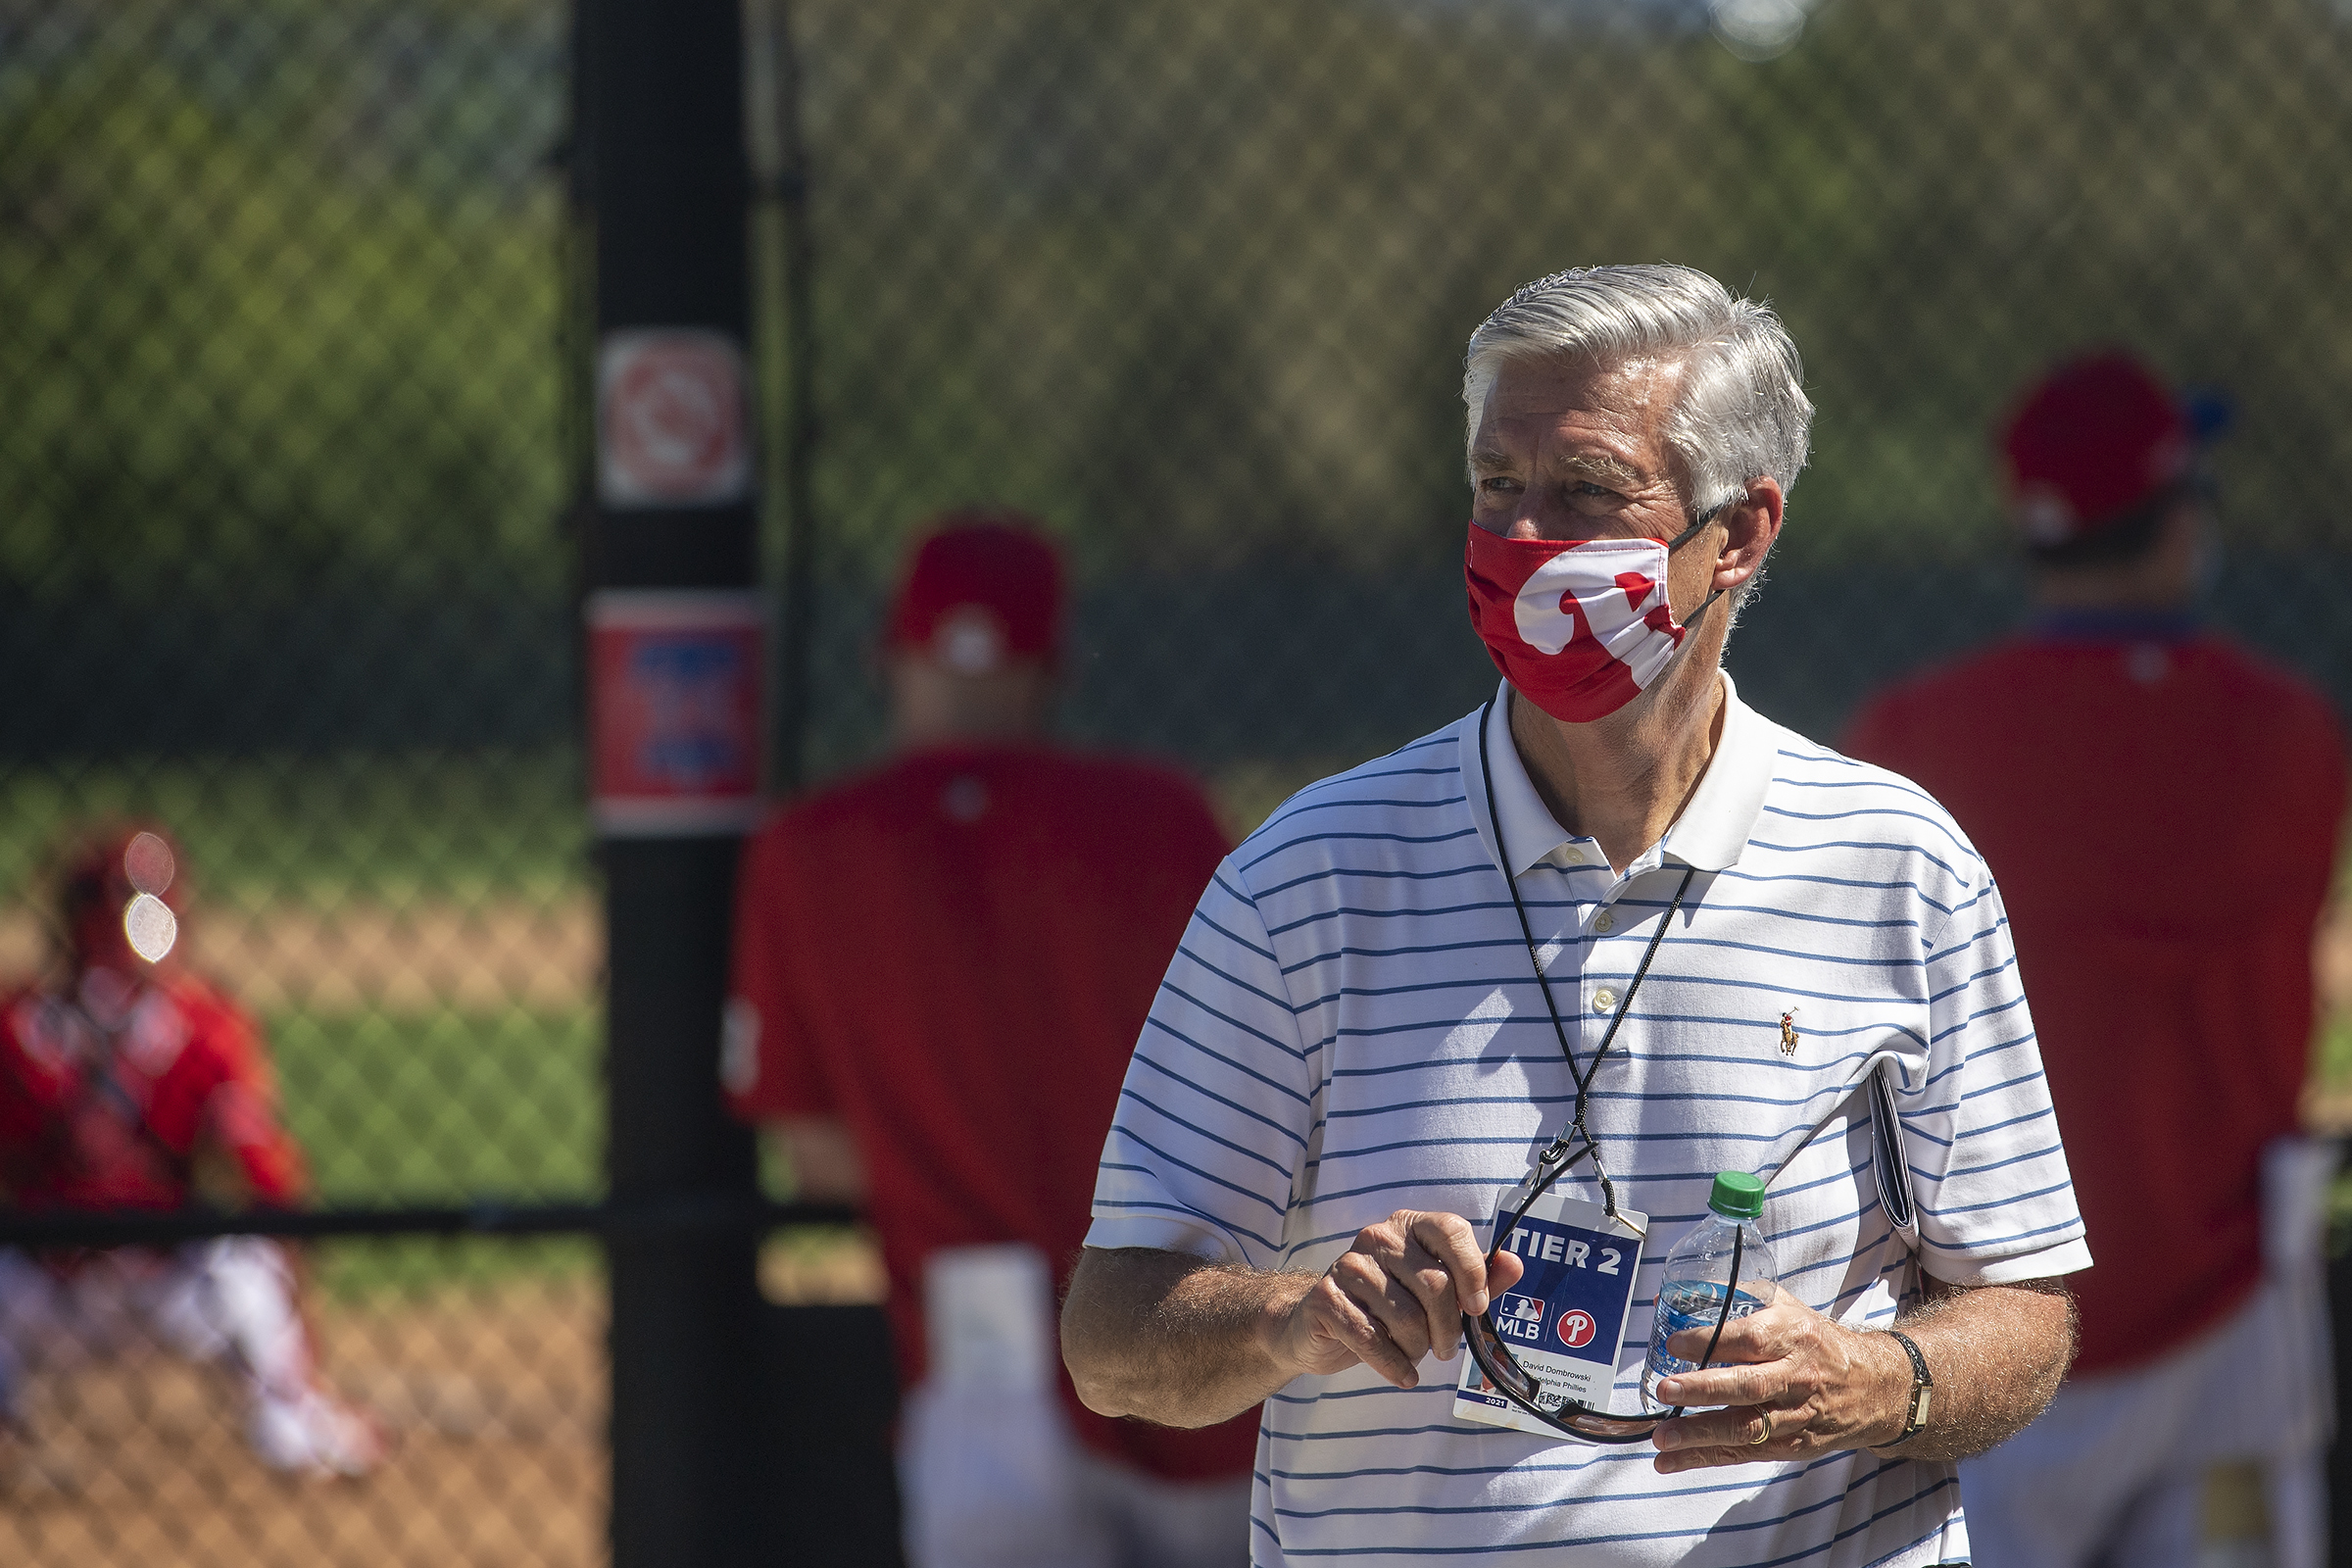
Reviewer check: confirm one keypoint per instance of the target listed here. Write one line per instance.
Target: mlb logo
(1519, 1317)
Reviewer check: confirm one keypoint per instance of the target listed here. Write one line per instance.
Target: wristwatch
(1922, 1385)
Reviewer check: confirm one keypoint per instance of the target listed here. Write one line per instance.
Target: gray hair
(1741, 413)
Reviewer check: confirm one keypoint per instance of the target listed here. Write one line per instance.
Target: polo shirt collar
(1709, 834)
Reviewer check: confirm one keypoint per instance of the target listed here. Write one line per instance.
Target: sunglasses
(1566, 1416)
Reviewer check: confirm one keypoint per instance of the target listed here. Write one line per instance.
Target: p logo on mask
(1581, 628)
(1562, 599)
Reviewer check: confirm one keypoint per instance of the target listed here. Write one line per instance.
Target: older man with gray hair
(1462, 1042)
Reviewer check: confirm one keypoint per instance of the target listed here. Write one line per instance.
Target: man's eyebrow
(1599, 466)
(1614, 471)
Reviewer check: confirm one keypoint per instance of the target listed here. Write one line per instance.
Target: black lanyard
(1558, 1159)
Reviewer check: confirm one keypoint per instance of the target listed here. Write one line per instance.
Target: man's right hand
(1389, 1299)
(1178, 1339)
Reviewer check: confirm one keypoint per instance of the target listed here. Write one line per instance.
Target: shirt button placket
(1605, 1000)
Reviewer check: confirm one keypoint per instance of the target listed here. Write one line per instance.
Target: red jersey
(106, 1091)
(954, 956)
(2161, 812)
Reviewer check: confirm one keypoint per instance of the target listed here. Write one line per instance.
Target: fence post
(675, 661)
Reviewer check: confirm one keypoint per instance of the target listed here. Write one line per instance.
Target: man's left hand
(1787, 1374)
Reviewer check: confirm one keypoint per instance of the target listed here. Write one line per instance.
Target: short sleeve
(765, 1064)
(240, 1106)
(2320, 768)
(247, 1124)
(1212, 1123)
(1995, 1201)
(19, 1112)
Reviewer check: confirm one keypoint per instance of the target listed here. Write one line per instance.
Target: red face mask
(1579, 628)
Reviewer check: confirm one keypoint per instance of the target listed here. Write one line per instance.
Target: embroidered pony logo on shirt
(1788, 1033)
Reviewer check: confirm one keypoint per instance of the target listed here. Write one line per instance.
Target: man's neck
(1623, 780)
(2161, 578)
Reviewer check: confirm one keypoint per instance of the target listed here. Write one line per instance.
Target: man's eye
(1497, 484)
(1587, 490)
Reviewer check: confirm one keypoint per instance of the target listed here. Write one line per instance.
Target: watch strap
(1915, 1415)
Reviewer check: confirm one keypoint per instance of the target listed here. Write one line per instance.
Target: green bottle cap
(1736, 1195)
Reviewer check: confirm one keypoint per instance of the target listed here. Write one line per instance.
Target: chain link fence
(281, 568)
(287, 299)
(1192, 283)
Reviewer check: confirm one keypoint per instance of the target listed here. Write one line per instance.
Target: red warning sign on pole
(674, 679)
(671, 425)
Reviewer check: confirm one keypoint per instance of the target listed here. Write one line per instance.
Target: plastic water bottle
(1698, 1276)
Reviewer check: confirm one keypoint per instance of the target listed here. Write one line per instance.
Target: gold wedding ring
(1765, 1436)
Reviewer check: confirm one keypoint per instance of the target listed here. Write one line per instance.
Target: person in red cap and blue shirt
(941, 966)
(2098, 759)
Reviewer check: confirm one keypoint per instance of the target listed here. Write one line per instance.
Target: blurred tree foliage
(280, 297)
(1192, 280)
(280, 283)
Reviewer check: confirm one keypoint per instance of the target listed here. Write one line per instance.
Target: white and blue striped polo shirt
(1351, 1027)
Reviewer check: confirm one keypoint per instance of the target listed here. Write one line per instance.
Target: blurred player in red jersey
(2161, 808)
(941, 968)
(117, 1085)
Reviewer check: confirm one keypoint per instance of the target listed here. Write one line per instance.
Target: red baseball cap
(981, 588)
(2092, 442)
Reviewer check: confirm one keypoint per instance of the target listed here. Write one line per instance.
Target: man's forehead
(1614, 413)
(1536, 383)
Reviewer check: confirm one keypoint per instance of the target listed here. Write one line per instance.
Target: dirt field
(493, 1399)
(417, 958)
(493, 1396)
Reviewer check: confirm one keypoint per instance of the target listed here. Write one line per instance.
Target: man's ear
(1750, 528)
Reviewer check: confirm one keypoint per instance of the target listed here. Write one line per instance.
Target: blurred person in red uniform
(2161, 808)
(941, 968)
(120, 1084)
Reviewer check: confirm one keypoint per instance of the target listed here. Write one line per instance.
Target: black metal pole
(799, 310)
(670, 534)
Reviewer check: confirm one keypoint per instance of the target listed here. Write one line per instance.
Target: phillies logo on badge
(1575, 1329)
